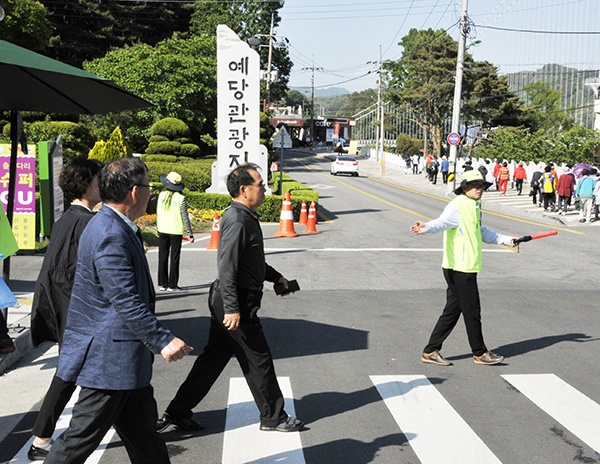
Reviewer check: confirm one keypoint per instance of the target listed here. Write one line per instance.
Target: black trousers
(168, 272)
(519, 185)
(462, 297)
(548, 199)
(133, 413)
(249, 345)
(58, 395)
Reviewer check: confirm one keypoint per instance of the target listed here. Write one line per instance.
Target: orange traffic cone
(215, 234)
(286, 220)
(311, 224)
(303, 214)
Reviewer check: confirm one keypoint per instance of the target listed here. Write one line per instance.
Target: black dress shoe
(7, 346)
(187, 424)
(37, 454)
(291, 424)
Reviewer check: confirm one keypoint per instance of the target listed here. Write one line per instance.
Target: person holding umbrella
(172, 220)
(463, 236)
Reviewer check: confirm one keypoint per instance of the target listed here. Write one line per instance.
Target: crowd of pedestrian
(556, 190)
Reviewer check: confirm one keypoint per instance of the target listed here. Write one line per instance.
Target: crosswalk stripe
(565, 404)
(243, 442)
(61, 426)
(434, 430)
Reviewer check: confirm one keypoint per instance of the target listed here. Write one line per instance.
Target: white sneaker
(162, 289)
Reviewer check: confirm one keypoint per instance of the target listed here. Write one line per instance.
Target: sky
(345, 39)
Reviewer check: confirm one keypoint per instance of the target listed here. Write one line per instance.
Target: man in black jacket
(235, 328)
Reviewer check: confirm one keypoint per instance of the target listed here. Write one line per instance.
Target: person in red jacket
(565, 189)
(502, 178)
(519, 175)
(497, 167)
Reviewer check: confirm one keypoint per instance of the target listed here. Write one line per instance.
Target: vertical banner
(51, 204)
(238, 108)
(23, 225)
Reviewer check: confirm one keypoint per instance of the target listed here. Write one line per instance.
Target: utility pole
(312, 101)
(460, 61)
(380, 134)
(381, 116)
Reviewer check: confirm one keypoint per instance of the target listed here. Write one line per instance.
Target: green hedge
(158, 138)
(191, 150)
(195, 174)
(77, 138)
(269, 211)
(169, 148)
(163, 158)
(197, 177)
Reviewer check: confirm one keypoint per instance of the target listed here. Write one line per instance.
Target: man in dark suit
(112, 334)
(79, 182)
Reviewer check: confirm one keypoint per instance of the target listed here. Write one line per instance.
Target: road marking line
(244, 442)
(570, 407)
(61, 426)
(500, 249)
(434, 430)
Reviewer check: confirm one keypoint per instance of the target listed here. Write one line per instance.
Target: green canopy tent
(33, 82)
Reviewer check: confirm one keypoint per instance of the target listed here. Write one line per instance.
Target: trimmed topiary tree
(171, 136)
(107, 151)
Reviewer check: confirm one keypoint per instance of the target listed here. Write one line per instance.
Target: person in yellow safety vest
(172, 221)
(463, 236)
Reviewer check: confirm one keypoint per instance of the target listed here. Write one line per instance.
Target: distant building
(328, 131)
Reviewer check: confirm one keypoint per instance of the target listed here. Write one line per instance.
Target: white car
(344, 164)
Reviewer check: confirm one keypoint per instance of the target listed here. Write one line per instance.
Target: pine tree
(115, 147)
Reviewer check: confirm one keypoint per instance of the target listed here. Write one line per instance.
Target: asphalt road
(349, 342)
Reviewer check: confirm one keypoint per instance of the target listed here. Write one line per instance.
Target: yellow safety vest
(462, 246)
(168, 213)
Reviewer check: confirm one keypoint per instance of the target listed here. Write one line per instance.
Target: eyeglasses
(261, 184)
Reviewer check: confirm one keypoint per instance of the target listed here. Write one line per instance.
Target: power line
(531, 31)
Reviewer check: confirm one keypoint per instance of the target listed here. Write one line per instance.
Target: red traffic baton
(527, 238)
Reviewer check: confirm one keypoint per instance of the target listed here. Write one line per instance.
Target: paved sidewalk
(521, 206)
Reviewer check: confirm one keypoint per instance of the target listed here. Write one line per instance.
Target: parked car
(344, 164)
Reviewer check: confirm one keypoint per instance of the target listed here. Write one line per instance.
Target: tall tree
(87, 29)
(249, 18)
(178, 75)
(545, 104)
(488, 101)
(295, 98)
(25, 24)
(83, 30)
(423, 78)
(358, 101)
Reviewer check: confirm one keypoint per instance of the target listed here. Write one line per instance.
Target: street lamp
(256, 42)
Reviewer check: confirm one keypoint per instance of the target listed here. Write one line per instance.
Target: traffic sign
(453, 138)
(282, 139)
